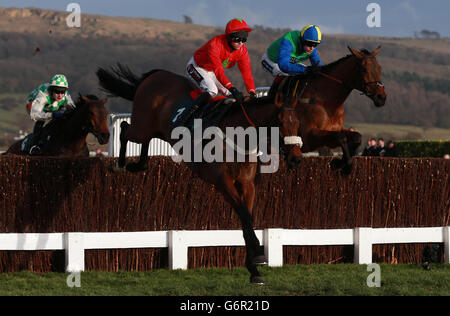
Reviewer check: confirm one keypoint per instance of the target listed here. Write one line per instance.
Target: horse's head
(96, 118)
(369, 79)
(289, 129)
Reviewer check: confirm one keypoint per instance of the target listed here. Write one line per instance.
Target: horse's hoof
(336, 164)
(260, 260)
(116, 169)
(346, 170)
(256, 280)
(136, 167)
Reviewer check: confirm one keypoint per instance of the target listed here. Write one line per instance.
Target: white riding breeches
(205, 80)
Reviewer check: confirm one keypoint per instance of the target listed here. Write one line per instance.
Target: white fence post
(74, 246)
(363, 245)
(178, 251)
(447, 244)
(273, 246)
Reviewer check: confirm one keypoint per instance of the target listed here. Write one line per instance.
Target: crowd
(377, 148)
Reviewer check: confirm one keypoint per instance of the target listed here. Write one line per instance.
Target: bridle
(364, 90)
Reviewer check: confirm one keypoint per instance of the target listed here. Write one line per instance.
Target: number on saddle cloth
(207, 112)
(182, 107)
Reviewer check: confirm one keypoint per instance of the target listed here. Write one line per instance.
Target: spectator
(98, 153)
(391, 150)
(355, 151)
(380, 150)
(446, 156)
(370, 149)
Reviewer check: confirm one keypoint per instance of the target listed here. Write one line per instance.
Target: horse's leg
(333, 139)
(353, 141)
(349, 146)
(248, 198)
(252, 244)
(123, 144)
(142, 164)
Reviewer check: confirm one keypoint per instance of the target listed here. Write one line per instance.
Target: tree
(187, 19)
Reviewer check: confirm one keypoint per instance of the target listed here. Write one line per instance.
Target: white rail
(178, 242)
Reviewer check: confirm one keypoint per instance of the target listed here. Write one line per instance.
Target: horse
(155, 96)
(67, 134)
(321, 102)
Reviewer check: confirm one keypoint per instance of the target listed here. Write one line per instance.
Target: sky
(398, 18)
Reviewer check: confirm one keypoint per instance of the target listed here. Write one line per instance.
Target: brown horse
(322, 97)
(155, 96)
(67, 135)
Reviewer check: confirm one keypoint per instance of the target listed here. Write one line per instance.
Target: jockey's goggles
(59, 91)
(310, 44)
(238, 39)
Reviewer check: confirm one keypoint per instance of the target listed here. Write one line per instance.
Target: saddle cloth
(211, 113)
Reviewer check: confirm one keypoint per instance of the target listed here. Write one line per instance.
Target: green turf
(339, 279)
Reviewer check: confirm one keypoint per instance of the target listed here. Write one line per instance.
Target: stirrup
(229, 100)
(35, 150)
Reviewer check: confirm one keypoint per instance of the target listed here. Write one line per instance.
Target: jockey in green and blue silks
(286, 55)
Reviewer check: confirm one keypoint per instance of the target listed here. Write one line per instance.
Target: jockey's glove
(312, 70)
(252, 95)
(237, 94)
(57, 114)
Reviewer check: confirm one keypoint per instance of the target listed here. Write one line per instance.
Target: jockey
(45, 103)
(286, 55)
(206, 67)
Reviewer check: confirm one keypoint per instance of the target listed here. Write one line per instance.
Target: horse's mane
(334, 63)
(79, 104)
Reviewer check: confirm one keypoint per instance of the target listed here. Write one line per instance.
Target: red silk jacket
(216, 55)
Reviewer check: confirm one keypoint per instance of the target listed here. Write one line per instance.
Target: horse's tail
(120, 81)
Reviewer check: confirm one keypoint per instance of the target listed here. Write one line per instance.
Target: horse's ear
(376, 51)
(85, 99)
(279, 99)
(355, 53)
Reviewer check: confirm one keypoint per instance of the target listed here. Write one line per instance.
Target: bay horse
(67, 134)
(321, 102)
(155, 96)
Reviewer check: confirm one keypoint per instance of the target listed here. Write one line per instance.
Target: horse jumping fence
(157, 147)
(178, 242)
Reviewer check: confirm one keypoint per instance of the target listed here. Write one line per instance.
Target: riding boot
(276, 83)
(37, 134)
(197, 105)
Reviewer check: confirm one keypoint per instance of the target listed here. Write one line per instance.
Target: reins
(330, 77)
(246, 116)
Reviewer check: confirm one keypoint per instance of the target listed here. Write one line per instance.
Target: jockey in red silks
(206, 67)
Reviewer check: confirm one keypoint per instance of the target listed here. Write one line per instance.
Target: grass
(401, 132)
(294, 280)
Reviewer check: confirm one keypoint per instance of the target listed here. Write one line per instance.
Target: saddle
(211, 113)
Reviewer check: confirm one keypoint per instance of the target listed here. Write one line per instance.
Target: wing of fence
(273, 239)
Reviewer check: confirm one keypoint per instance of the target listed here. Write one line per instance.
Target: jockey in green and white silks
(47, 102)
(286, 55)
(50, 97)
